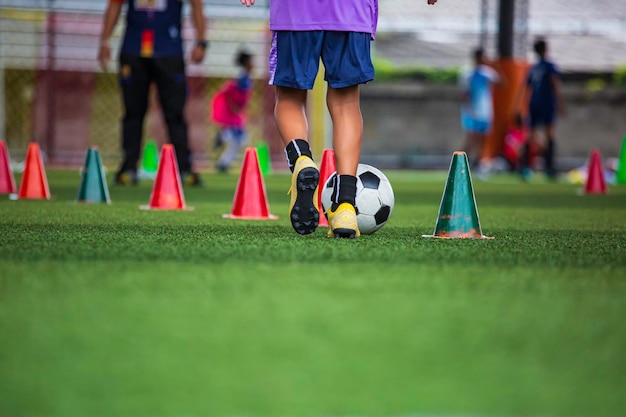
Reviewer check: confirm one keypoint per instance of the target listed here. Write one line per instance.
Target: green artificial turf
(116, 311)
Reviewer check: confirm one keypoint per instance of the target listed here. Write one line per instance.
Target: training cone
(595, 183)
(7, 181)
(250, 202)
(620, 174)
(34, 183)
(93, 187)
(149, 160)
(167, 192)
(265, 163)
(327, 167)
(458, 215)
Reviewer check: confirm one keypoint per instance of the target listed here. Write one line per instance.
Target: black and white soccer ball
(374, 198)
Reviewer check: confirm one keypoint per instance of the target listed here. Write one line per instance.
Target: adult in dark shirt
(152, 51)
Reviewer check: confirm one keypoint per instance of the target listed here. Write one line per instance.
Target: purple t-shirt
(339, 15)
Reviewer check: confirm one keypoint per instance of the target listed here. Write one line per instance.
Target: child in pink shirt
(228, 110)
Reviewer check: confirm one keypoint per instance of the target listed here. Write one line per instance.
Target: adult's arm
(111, 16)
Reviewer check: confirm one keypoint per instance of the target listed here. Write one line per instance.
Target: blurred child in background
(542, 94)
(228, 111)
(477, 107)
(514, 141)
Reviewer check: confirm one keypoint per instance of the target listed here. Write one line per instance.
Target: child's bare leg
(549, 152)
(472, 147)
(290, 114)
(526, 155)
(345, 112)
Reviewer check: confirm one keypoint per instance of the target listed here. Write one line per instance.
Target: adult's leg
(172, 88)
(135, 81)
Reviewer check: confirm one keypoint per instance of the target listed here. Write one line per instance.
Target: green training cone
(458, 215)
(93, 187)
(620, 175)
(263, 151)
(149, 159)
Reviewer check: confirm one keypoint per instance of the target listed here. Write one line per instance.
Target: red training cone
(167, 192)
(7, 181)
(595, 175)
(34, 184)
(250, 202)
(327, 167)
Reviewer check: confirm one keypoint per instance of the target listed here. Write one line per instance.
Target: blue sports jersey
(153, 28)
(477, 84)
(540, 80)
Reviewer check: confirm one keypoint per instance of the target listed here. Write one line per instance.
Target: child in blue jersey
(339, 33)
(477, 108)
(544, 87)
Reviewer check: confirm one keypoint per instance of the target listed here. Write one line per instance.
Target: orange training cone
(7, 181)
(327, 167)
(595, 175)
(458, 214)
(34, 184)
(167, 192)
(250, 202)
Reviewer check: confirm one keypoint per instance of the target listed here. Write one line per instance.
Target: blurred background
(52, 90)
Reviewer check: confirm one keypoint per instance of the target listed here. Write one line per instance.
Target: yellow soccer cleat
(303, 210)
(342, 222)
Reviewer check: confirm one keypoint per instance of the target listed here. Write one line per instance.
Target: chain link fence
(52, 90)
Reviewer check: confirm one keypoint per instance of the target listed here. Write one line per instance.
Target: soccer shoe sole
(341, 233)
(339, 216)
(304, 215)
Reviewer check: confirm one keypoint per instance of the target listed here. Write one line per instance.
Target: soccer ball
(374, 198)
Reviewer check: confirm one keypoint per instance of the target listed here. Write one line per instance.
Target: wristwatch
(202, 44)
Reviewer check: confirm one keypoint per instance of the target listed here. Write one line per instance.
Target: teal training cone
(263, 152)
(620, 175)
(458, 214)
(93, 187)
(149, 160)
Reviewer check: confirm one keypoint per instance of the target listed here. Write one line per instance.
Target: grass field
(119, 312)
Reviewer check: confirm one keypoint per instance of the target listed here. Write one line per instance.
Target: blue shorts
(295, 55)
(472, 124)
(540, 117)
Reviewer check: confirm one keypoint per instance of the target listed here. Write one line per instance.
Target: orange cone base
(232, 216)
(186, 208)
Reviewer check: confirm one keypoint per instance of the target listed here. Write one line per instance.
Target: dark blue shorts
(295, 55)
(542, 116)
